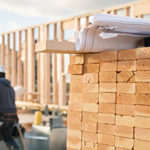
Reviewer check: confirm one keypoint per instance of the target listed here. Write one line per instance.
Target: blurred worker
(8, 112)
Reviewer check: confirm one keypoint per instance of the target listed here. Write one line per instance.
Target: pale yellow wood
(128, 11)
(26, 65)
(42, 79)
(38, 67)
(47, 32)
(47, 69)
(56, 47)
(47, 78)
(38, 75)
(87, 21)
(2, 60)
(55, 32)
(62, 83)
(39, 37)
(19, 63)
(141, 8)
(30, 105)
(77, 24)
(44, 70)
(55, 81)
(115, 12)
(8, 69)
(54, 66)
(14, 61)
(108, 12)
(31, 63)
(61, 32)
(68, 25)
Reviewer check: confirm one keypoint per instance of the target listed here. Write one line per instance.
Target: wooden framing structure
(35, 70)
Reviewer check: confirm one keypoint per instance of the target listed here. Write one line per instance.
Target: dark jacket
(7, 97)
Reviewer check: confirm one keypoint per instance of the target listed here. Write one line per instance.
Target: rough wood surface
(112, 98)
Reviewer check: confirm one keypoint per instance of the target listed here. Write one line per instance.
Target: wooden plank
(62, 83)
(47, 78)
(44, 73)
(115, 12)
(54, 67)
(128, 11)
(56, 47)
(108, 12)
(42, 79)
(141, 8)
(26, 65)
(87, 21)
(68, 25)
(38, 75)
(77, 24)
(47, 71)
(8, 69)
(31, 63)
(19, 63)
(42, 68)
(47, 32)
(38, 66)
(55, 32)
(55, 82)
(39, 34)
(14, 61)
(2, 60)
(33, 106)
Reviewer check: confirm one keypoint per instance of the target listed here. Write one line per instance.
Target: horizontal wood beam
(32, 106)
(68, 25)
(56, 47)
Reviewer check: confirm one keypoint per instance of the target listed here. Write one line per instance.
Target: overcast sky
(20, 13)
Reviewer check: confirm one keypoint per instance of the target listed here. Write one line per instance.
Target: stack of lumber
(109, 107)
